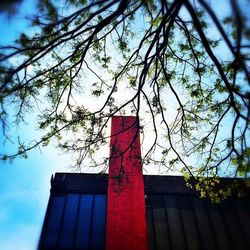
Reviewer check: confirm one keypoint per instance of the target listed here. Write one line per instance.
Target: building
(92, 211)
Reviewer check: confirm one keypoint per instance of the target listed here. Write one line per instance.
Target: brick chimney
(126, 215)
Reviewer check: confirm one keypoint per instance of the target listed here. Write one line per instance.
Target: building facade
(126, 210)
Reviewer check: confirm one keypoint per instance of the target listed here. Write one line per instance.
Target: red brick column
(126, 215)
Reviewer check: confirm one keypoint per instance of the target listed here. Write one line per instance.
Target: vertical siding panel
(191, 234)
(150, 223)
(69, 222)
(244, 219)
(204, 228)
(218, 226)
(160, 223)
(84, 222)
(52, 232)
(98, 223)
(174, 221)
(233, 225)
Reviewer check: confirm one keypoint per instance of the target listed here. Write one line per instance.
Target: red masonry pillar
(126, 215)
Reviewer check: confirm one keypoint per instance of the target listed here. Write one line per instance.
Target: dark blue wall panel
(84, 222)
(69, 222)
(54, 221)
(75, 221)
(98, 223)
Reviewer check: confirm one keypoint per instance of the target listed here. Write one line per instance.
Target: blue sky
(24, 184)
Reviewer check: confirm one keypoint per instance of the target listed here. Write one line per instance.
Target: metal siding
(75, 221)
(233, 226)
(160, 223)
(218, 226)
(69, 222)
(98, 223)
(203, 224)
(84, 222)
(52, 231)
(150, 223)
(193, 223)
(174, 220)
(189, 226)
(244, 219)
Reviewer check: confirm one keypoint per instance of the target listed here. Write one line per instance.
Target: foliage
(9, 6)
(189, 89)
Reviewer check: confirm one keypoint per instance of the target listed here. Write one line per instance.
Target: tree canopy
(180, 67)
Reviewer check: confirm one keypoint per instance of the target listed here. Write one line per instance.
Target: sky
(24, 184)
